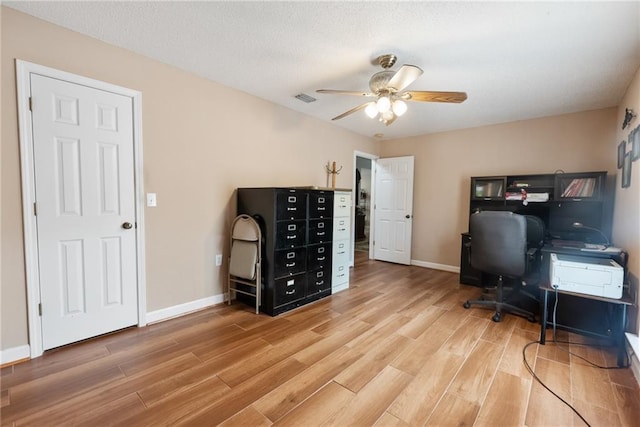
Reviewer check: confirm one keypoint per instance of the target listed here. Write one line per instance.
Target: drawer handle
(321, 250)
(290, 237)
(291, 199)
(292, 209)
(343, 252)
(341, 275)
(321, 233)
(322, 258)
(321, 208)
(320, 283)
(291, 227)
(293, 291)
(320, 199)
(342, 229)
(291, 264)
(291, 255)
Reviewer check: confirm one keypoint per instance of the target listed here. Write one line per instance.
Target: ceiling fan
(387, 86)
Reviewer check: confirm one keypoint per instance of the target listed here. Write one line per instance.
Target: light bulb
(371, 110)
(399, 107)
(383, 104)
(387, 115)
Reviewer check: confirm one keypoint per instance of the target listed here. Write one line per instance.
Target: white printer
(586, 275)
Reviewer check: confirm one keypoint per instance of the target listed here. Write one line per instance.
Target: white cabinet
(341, 241)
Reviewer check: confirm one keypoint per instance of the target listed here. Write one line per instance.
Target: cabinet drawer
(318, 281)
(290, 234)
(289, 289)
(320, 230)
(291, 204)
(341, 204)
(289, 262)
(320, 205)
(340, 274)
(319, 256)
(340, 249)
(341, 227)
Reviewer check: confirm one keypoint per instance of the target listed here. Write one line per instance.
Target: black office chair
(507, 245)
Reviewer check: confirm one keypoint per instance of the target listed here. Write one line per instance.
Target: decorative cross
(333, 171)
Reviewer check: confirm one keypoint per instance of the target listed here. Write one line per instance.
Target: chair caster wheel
(466, 304)
(497, 317)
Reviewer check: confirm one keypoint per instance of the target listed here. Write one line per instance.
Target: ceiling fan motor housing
(380, 80)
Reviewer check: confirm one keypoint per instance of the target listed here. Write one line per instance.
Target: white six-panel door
(393, 209)
(85, 201)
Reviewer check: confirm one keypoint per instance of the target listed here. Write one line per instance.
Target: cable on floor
(555, 341)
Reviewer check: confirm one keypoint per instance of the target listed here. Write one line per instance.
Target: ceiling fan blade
(406, 75)
(427, 96)
(345, 92)
(353, 110)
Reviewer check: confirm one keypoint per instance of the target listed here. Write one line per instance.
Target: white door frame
(372, 198)
(23, 71)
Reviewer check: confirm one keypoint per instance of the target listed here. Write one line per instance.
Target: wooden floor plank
(320, 408)
(506, 402)
(280, 401)
(454, 411)
(476, 374)
(372, 401)
(416, 402)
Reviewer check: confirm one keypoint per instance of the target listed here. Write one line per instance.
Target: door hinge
(35, 209)
(30, 104)
(40, 309)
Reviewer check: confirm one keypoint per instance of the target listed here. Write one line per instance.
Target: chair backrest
(535, 231)
(245, 247)
(498, 242)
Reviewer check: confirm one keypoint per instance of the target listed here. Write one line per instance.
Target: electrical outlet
(218, 260)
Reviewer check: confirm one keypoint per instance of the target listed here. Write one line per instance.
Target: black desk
(619, 305)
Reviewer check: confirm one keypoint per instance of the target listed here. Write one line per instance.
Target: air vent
(305, 98)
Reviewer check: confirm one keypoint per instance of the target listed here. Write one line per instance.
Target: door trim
(372, 198)
(32, 271)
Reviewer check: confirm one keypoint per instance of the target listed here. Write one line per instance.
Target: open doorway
(362, 202)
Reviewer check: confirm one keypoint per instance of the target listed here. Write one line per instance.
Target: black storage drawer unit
(297, 230)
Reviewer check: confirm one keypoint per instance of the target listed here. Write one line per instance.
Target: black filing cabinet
(296, 228)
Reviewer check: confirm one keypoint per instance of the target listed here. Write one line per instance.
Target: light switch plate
(152, 201)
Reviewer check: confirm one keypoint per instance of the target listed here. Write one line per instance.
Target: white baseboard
(182, 309)
(634, 354)
(433, 265)
(14, 354)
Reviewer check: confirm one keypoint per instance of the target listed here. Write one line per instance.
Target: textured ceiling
(515, 60)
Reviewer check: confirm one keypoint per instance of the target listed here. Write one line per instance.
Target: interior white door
(85, 209)
(393, 209)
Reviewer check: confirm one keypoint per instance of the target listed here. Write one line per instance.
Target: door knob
(407, 216)
(127, 225)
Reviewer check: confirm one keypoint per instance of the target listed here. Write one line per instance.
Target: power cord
(555, 341)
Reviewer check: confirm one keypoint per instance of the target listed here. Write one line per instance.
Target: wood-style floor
(396, 349)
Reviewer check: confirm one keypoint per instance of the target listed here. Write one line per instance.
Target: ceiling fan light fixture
(371, 110)
(383, 104)
(399, 107)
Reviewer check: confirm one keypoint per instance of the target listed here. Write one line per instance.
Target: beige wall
(444, 162)
(626, 215)
(197, 150)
